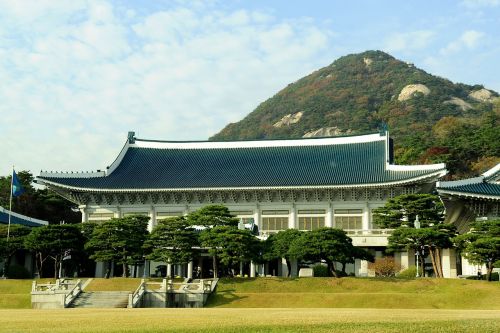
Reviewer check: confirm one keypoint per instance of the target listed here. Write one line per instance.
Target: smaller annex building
(276, 184)
(470, 200)
(22, 258)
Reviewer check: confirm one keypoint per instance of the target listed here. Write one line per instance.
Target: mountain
(431, 119)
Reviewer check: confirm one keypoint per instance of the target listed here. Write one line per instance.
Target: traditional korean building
(277, 184)
(470, 200)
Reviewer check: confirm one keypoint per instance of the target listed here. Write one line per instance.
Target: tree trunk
(331, 268)
(39, 264)
(439, 264)
(289, 267)
(489, 270)
(108, 270)
(433, 260)
(343, 268)
(422, 265)
(125, 270)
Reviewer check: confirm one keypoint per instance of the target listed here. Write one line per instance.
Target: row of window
(272, 222)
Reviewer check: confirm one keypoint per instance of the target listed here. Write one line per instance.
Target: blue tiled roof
(242, 167)
(19, 219)
(484, 188)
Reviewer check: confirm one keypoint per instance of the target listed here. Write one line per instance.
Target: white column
(256, 216)
(363, 268)
(329, 216)
(152, 219)
(407, 259)
(190, 270)
(449, 262)
(85, 215)
(366, 217)
(252, 269)
(292, 217)
(284, 268)
(118, 212)
(169, 271)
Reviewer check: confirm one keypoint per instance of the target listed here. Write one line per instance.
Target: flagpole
(10, 203)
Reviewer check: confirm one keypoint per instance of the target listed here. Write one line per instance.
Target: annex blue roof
(486, 186)
(16, 218)
(145, 165)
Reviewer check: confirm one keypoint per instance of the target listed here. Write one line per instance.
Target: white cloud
(73, 85)
(470, 39)
(480, 3)
(408, 41)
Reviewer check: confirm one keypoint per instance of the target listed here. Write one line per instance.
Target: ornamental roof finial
(131, 137)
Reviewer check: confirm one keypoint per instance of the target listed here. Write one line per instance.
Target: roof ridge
(261, 140)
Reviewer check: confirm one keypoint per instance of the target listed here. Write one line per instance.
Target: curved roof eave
(442, 191)
(429, 176)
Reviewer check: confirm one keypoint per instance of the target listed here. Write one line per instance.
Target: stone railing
(368, 232)
(54, 295)
(135, 298)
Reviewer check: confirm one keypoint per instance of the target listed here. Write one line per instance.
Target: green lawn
(113, 284)
(310, 293)
(15, 294)
(249, 320)
(356, 293)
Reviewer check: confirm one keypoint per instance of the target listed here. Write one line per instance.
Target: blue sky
(77, 75)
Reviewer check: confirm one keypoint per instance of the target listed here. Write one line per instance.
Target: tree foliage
(38, 203)
(482, 245)
(229, 245)
(401, 213)
(403, 210)
(172, 241)
(54, 242)
(328, 244)
(278, 246)
(119, 240)
(17, 236)
(212, 216)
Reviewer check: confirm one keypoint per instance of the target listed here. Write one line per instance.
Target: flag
(17, 189)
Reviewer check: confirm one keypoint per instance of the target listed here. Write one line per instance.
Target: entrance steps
(101, 299)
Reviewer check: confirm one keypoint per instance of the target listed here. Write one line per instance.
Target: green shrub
(18, 272)
(409, 273)
(320, 270)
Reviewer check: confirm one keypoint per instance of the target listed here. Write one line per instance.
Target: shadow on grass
(223, 298)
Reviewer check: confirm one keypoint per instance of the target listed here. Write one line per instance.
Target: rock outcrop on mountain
(412, 90)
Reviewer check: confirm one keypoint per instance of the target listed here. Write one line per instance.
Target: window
(274, 224)
(311, 219)
(241, 212)
(135, 213)
(311, 222)
(100, 216)
(349, 219)
(275, 212)
(166, 215)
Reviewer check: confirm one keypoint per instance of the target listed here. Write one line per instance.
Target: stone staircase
(101, 299)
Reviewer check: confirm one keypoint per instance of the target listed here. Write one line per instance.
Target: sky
(76, 75)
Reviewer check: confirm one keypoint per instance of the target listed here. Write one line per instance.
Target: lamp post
(417, 226)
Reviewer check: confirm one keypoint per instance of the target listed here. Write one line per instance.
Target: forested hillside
(430, 118)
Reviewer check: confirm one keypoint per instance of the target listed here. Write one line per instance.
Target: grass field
(249, 320)
(15, 294)
(357, 293)
(114, 284)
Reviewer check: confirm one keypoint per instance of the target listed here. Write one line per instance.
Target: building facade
(470, 200)
(277, 184)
